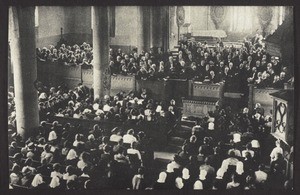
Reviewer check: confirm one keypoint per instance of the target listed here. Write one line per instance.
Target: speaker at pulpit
(283, 115)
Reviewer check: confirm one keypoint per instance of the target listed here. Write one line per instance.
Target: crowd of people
(236, 65)
(80, 103)
(67, 55)
(229, 150)
(68, 157)
(226, 149)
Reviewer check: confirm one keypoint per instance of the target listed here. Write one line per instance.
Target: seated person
(152, 71)
(192, 72)
(160, 74)
(143, 72)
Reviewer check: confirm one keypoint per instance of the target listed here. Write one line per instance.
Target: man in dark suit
(171, 67)
(170, 118)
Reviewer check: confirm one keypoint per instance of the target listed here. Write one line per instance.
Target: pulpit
(283, 115)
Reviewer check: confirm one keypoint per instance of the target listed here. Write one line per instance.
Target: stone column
(143, 28)
(101, 78)
(165, 31)
(159, 28)
(156, 27)
(23, 56)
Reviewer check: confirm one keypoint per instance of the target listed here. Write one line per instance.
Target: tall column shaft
(165, 31)
(143, 28)
(100, 51)
(156, 27)
(23, 56)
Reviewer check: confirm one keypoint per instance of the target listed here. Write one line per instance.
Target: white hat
(54, 182)
(170, 168)
(52, 136)
(203, 174)
(96, 106)
(236, 137)
(106, 108)
(198, 185)
(211, 126)
(162, 177)
(185, 173)
(71, 155)
(179, 183)
(158, 108)
(43, 96)
(37, 180)
(255, 144)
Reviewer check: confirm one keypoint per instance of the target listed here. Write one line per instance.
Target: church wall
(51, 19)
(77, 27)
(78, 24)
(200, 19)
(126, 26)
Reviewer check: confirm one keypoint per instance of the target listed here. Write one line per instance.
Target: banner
(180, 15)
(218, 15)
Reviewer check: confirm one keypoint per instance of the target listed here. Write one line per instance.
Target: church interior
(151, 97)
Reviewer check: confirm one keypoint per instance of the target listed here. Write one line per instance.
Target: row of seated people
(67, 55)
(199, 62)
(236, 66)
(238, 159)
(80, 103)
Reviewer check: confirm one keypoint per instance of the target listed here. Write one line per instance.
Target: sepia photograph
(151, 97)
